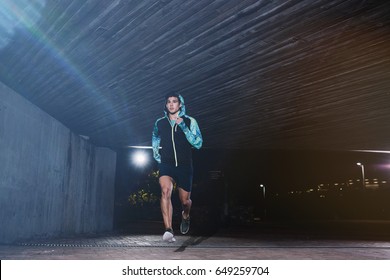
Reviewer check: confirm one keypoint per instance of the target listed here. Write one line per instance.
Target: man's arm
(193, 134)
(156, 143)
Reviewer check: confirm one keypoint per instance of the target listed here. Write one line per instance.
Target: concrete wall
(52, 182)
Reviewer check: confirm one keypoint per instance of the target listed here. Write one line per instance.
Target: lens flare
(140, 158)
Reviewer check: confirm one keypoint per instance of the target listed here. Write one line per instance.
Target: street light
(140, 158)
(362, 167)
(264, 203)
(263, 188)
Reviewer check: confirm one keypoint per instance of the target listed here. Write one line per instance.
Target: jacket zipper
(173, 143)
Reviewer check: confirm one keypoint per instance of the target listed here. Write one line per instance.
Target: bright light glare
(140, 158)
(17, 14)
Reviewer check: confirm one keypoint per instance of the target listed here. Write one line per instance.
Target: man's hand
(179, 120)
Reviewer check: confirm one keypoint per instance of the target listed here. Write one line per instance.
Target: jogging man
(176, 133)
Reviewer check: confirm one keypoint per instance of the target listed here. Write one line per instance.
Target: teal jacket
(176, 144)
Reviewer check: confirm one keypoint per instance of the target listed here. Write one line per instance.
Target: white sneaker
(169, 237)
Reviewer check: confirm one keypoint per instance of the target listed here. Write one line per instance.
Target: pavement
(298, 240)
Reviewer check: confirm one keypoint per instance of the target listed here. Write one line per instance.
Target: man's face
(173, 105)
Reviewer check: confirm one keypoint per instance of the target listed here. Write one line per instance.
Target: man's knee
(166, 187)
(186, 202)
(166, 191)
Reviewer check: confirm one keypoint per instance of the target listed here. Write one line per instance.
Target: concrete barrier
(52, 181)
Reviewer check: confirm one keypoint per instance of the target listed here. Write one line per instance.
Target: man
(176, 133)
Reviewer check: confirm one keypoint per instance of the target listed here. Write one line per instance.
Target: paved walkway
(268, 241)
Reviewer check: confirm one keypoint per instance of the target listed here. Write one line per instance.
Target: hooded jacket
(176, 140)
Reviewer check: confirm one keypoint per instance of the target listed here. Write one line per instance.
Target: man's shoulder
(192, 119)
(159, 120)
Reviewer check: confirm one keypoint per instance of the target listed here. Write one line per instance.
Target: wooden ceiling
(299, 74)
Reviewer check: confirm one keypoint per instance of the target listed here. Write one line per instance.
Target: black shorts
(182, 175)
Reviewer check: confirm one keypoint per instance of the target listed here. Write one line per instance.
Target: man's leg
(186, 202)
(166, 185)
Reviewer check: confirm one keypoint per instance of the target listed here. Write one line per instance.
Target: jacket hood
(182, 111)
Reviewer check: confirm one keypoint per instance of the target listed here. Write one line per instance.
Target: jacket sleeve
(192, 133)
(156, 143)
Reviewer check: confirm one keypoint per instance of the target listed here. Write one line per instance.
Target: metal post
(264, 202)
(363, 178)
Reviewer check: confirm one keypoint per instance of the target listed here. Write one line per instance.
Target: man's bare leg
(186, 202)
(166, 184)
